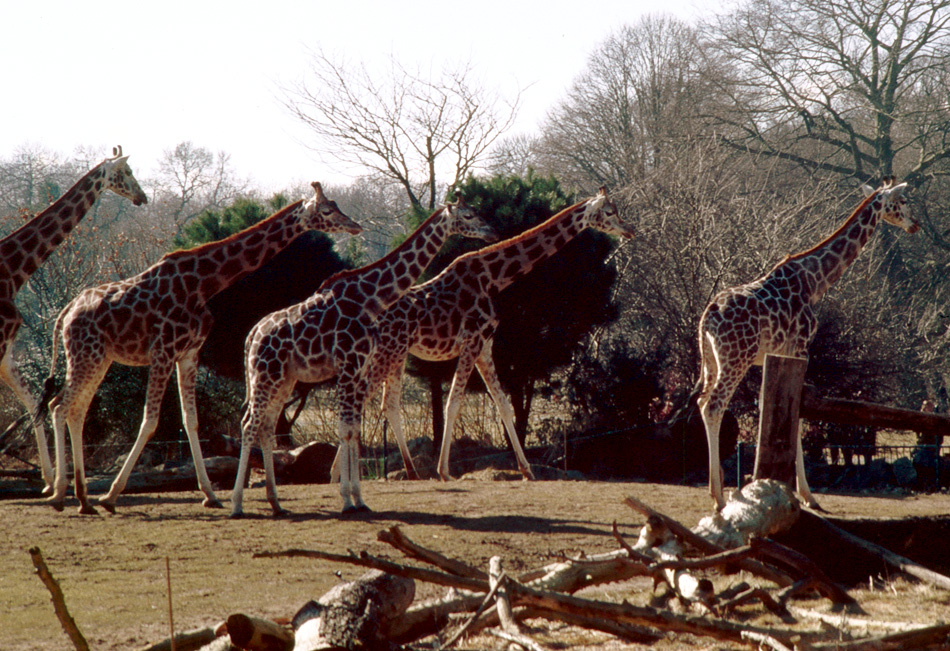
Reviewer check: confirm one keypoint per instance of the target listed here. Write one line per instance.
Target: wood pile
(378, 611)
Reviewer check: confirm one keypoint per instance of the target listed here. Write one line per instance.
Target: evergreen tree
(544, 315)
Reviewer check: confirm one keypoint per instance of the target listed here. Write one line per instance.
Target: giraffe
(453, 315)
(160, 319)
(333, 333)
(774, 315)
(24, 250)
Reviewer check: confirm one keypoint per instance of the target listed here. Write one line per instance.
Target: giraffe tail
(49, 385)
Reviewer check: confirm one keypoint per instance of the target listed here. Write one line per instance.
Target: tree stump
(779, 405)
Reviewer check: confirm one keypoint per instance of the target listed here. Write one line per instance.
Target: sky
(149, 75)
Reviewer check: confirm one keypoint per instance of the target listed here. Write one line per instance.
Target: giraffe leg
(270, 477)
(712, 421)
(187, 368)
(349, 455)
(69, 411)
(392, 394)
(158, 377)
(800, 480)
(258, 424)
(237, 494)
(10, 375)
(351, 394)
(486, 368)
(61, 480)
(462, 372)
(721, 378)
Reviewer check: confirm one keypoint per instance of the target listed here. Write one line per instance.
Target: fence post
(779, 403)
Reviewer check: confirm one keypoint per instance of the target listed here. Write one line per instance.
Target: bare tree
(851, 87)
(379, 206)
(406, 125)
(515, 155)
(192, 179)
(29, 180)
(641, 92)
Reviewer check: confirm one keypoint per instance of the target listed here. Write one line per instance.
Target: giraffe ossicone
(773, 315)
(159, 318)
(24, 250)
(334, 333)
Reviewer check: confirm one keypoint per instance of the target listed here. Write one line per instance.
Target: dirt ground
(112, 567)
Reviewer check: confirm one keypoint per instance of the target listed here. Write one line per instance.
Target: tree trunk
(779, 402)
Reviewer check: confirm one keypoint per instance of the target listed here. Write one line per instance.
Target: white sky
(150, 75)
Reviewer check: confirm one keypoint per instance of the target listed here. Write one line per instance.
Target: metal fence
(857, 456)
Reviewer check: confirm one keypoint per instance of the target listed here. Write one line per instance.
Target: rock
(904, 472)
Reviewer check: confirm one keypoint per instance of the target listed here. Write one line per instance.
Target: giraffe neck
(218, 265)
(822, 265)
(377, 286)
(25, 249)
(503, 263)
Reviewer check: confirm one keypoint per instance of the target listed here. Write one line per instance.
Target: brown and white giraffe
(159, 319)
(453, 315)
(774, 315)
(24, 250)
(333, 333)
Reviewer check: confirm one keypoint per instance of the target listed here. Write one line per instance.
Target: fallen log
(521, 595)
(221, 470)
(930, 637)
(256, 634)
(855, 412)
(187, 640)
(710, 526)
(356, 614)
(848, 558)
(851, 623)
(759, 509)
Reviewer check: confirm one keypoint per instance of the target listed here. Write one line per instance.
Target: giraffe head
(321, 214)
(463, 220)
(603, 215)
(119, 178)
(891, 204)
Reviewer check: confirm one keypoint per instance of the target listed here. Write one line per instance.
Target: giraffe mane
(491, 248)
(836, 232)
(230, 238)
(346, 273)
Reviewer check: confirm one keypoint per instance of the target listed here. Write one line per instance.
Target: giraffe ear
(866, 190)
(603, 190)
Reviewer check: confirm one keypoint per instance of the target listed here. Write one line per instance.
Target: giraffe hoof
(212, 503)
(59, 505)
(236, 515)
(281, 513)
(108, 506)
(48, 491)
(88, 509)
(359, 508)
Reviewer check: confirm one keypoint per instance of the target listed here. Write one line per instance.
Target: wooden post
(779, 403)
